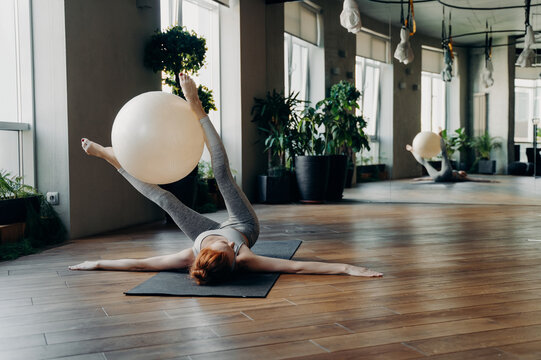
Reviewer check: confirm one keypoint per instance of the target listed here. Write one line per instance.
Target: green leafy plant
(484, 144)
(344, 131)
(455, 142)
(43, 226)
(277, 117)
(177, 50)
(12, 187)
(307, 139)
(204, 170)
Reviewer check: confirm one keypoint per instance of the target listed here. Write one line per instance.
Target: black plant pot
(337, 177)
(349, 177)
(274, 189)
(487, 167)
(14, 210)
(312, 177)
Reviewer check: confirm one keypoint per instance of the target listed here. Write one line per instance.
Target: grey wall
(339, 46)
(50, 93)
(88, 63)
(406, 108)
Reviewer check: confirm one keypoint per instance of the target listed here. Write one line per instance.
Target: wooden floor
(461, 282)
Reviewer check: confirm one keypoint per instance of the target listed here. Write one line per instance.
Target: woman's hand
(87, 265)
(362, 271)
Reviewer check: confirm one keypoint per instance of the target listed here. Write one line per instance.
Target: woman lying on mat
(446, 174)
(219, 249)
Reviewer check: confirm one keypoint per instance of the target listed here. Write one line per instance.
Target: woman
(446, 174)
(219, 249)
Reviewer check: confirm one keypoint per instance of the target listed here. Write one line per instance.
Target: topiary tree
(177, 50)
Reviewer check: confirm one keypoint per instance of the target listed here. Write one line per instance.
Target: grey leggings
(241, 214)
(446, 172)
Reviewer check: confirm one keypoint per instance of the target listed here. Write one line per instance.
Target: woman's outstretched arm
(179, 260)
(258, 263)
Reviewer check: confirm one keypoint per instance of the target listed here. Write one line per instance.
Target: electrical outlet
(52, 198)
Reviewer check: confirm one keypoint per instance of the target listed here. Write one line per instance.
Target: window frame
(24, 86)
(363, 63)
(213, 51)
(444, 121)
(532, 87)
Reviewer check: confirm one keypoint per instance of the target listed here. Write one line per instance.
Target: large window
(202, 17)
(296, 67)
(303, 57)
(527, 106)
(16, 112)
(373, 53)
(433, 111)
(367, 78)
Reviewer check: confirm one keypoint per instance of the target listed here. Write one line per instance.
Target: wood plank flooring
(461, 282)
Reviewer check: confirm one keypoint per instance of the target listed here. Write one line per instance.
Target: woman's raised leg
(241, 214)
(189, 221)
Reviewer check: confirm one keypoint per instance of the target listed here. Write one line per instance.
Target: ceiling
(428, 17)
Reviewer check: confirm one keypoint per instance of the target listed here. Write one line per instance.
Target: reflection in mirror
(487, 128)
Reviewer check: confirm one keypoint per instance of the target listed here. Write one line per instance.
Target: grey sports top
(230, 234)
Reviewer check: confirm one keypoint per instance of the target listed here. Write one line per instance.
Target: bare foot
(87, 265)
(362, 271)
(95, 149)
(190, 92)
(409, 148)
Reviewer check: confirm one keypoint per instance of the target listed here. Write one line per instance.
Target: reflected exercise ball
(426, 144)
(157, 138)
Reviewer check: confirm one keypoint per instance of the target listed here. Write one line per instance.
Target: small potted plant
(31, 220)
(483, 145)
(15, 197)
(177, 50)
(344, 134)
(369, 170)
(209, 197)
(276, 116)
(454, 143)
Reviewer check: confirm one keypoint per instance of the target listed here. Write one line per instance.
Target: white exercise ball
(426, 144)
(157, 138)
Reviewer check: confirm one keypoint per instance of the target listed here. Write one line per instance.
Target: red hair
(210, 267)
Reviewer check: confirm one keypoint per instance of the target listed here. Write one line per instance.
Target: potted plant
(15, 197)
(209, 197)
(311, 165)
(483, 145)
(276, 116)
(173, 51)
(177, 50)
(455, 142)
(344, 134)
(23, 207)
(368, 170)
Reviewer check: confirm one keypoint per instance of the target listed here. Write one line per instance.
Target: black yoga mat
(254, 285)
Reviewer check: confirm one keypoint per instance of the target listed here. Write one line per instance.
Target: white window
(201, 16)
(433, 110)
(367, 81)
(16, 91)
(527, 106)
(296, 67)
(303, 57)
